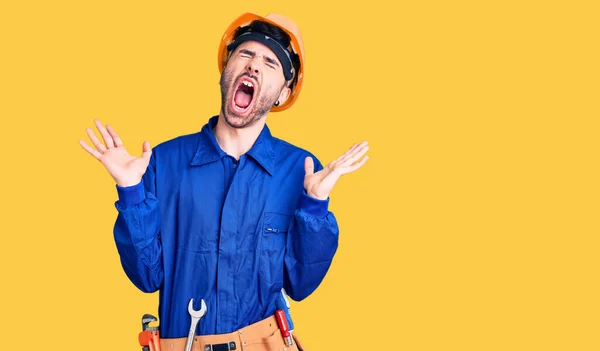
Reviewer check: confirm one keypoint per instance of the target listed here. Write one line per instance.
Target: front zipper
(273, 230)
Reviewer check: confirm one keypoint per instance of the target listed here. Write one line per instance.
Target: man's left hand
(320, 184)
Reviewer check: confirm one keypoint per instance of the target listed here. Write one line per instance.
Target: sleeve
(311, 245)
(137, 231)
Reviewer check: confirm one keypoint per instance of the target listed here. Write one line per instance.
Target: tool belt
(264, 335)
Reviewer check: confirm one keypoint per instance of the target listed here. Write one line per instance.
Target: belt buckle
(228, 346)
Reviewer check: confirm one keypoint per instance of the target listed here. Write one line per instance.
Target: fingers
(95, 140)
(309, 166)
(345, 154)
(107, 138)
(357, 165)
(110, 136)
(113, 133)
(90, 149)
(354, 154)
(146, 150)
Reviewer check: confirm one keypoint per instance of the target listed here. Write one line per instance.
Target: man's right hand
(125, 169)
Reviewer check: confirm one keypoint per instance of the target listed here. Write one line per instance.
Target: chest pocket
(272, 249)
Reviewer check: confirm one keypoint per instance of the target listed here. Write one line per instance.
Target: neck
(236, 141)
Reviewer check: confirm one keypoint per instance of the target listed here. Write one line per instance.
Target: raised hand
(126, 170)
(320, 184)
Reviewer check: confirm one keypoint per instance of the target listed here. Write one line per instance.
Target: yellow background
(474, 225)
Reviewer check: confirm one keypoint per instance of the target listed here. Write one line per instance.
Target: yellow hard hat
(296, 46)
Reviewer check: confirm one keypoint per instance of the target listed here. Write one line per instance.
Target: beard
(262, 105)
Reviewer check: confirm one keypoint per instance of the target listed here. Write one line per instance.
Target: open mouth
(243, 95)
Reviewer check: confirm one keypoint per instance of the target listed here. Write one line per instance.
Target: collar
(262, 151)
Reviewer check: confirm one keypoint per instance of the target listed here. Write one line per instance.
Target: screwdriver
(283, 326)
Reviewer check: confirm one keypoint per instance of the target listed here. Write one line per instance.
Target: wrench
(196, 315)
(149, 338)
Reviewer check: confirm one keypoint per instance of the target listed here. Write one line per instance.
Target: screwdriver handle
(283, 326)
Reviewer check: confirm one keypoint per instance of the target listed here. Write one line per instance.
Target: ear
(284, 95)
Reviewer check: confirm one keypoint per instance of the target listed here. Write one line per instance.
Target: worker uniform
(204, 225)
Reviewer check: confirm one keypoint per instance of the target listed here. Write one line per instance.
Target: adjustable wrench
(196, 315)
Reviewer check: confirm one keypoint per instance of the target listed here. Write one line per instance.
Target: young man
(230, 215)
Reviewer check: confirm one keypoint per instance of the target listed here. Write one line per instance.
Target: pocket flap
(277, 222)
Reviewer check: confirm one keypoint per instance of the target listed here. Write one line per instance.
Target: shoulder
(286, 151)
(182, 145)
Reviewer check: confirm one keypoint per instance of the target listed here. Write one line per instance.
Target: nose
(252, 67)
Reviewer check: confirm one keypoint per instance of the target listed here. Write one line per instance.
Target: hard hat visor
(282, 54)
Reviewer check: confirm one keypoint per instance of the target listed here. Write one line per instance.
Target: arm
(312, 244)
(313, 235)
(137, 231)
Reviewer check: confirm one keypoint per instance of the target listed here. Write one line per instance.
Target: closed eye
(271, 62)
(247, 53)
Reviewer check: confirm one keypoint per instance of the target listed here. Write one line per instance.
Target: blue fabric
(202, 225)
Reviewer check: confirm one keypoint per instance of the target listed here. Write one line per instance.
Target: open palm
(125, 169)
(320, 184)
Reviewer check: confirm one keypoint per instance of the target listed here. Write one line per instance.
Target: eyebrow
(267, 58)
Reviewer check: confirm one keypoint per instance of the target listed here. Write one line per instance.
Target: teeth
(247, 83)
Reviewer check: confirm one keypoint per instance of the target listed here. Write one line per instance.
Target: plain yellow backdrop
(473, 226)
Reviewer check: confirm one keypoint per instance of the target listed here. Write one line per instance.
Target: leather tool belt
(260, 336)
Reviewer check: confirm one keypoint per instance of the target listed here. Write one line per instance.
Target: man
(230, 215)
